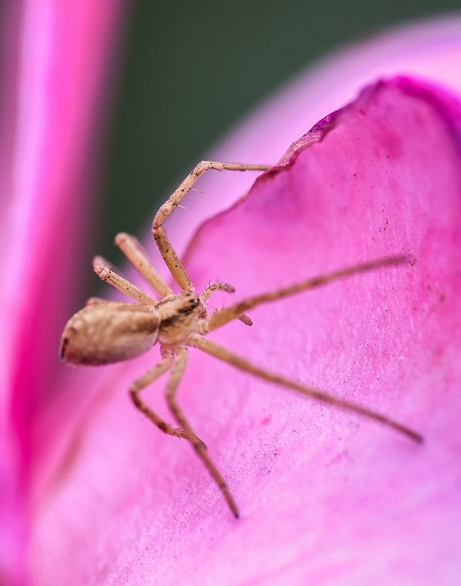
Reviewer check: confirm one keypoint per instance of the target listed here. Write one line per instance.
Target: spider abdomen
(108, 331)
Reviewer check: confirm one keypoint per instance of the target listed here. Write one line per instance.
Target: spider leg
(132, 249)
(105, 273)
(166, 250)
(226, 356)
(148, 378)
(221, 317)
(177, 372)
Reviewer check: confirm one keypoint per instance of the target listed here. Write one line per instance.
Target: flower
(325, 497)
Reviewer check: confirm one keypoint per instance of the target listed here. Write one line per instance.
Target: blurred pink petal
(56, 62)
(325, 497)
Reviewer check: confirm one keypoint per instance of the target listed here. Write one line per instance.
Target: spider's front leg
(177, 372)
(221, 317)
(166, 250)
(132, 249)
(104, 271)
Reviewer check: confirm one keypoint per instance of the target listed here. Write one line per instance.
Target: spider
(106, 332)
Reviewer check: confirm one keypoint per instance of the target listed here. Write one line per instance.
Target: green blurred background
(190, 70)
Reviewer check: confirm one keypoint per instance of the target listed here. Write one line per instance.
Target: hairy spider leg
(222, 316)
(148, 378)
(176, 374)
(104, 271)
(166, 249)
(225, 355)
(134, 252)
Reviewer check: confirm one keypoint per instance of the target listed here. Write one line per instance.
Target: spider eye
(192, 301)
(191, 304)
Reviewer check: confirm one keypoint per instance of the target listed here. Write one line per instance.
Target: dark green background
(192, 68)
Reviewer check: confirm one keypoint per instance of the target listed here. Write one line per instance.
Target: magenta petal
(325, 497)
(55, 64)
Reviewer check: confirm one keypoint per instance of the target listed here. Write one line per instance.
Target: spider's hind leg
(148, 378)
(177, 372)
(225, 355)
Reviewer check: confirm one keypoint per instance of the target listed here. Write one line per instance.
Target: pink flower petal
(325, 497)
(56, 62)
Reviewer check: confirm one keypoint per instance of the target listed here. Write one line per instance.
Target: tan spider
(105, 332)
